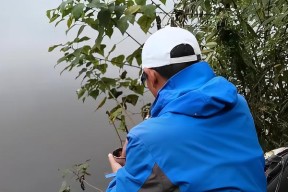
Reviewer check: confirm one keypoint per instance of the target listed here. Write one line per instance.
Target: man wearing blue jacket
(201, 135)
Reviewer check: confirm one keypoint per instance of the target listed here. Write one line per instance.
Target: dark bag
(276, 169)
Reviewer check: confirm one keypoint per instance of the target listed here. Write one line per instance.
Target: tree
(90, 55)
(249, 41)
(246, 41)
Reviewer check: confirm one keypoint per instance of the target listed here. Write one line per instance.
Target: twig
(92, 186)
(127, 64)
(133, 38)
(117, 133)
(158, 6)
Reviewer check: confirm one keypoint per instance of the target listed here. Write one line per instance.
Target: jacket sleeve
(138, 168)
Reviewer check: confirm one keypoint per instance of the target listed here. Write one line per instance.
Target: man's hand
(114, 165)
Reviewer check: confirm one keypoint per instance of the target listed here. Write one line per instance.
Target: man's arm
(138, 168)
(114, 165)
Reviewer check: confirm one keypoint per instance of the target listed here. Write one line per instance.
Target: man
(201, 135)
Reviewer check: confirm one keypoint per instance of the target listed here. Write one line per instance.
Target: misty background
(43, 126)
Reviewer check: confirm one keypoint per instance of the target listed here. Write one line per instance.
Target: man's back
(201, 137)
(199, 157)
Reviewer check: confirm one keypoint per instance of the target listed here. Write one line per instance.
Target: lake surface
(44, 127)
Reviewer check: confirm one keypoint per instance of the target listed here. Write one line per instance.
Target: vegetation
(246, 41)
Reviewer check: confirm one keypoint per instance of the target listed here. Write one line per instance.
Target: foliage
(250, 45)
(91, 57)
(244, 40)
(79, 173)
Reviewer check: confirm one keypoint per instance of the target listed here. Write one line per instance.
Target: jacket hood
(195, 91)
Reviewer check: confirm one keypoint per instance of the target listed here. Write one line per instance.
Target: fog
(43, 126)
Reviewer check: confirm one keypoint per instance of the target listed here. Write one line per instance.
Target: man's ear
(152, 77)
(154, 81)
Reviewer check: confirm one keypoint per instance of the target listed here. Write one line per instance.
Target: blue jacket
(201, 137)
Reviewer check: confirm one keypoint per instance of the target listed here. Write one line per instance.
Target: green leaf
(86, 49)
(205, 51)
(112, 49)
(133, 9)
(109, 31)
(53, 47)
(136, 86)
(59, 22)
(99, 37)
(118, 61)
(111, 6)
(92, 23)
(140, 2)
(268, 21)
(102, 103)
(102, 68)
(122, 24)
(81, 30)
(123, 75)
(85, 38)
(66, 48)
(135, 55)
(108, 81)
(119, 10)
(48, 14)
(77, 11)
(122, 125)
(94, 94)
(113, 115)
(145, 23)
(62, 6)
(149, 10)
(163, 1)
(69, 23)
(285, 76)
(63, 59)
(97, 4)
(132, 99)
(67, 11)
(265, 2)
(54, 17)
(113, 93)
(211, 44)
(251, 30)
(207, 6)
(83, 70)
(104, 17)
(80, 92)
(99, 49)
(211, 36)
(130, 18)
(64, 187)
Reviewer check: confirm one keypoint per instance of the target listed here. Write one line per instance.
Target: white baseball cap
(170, 45)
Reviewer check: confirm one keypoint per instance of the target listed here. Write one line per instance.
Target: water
(43, 127)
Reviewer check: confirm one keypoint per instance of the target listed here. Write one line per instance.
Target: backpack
(276, 169)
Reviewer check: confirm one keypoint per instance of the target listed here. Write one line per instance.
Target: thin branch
(122, 40)
(133, 38)
(130, 36)
(81, 179)
(126, 64)
(123, 109)
(121, 142)
(92, 186)
(158, 6)
(197, 14)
